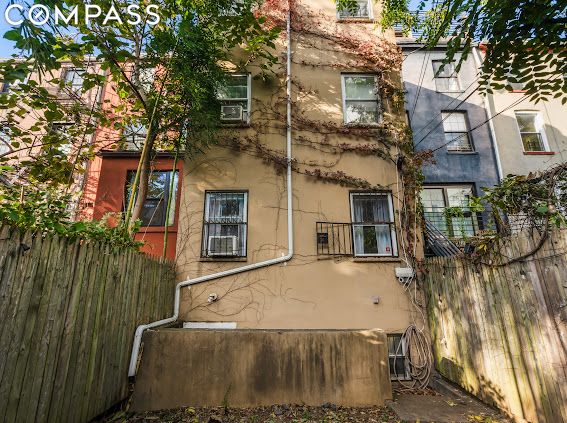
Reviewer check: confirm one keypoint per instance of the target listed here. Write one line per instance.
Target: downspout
(478, 61)
(140, 329)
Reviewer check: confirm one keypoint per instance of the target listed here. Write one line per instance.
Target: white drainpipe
(478, 61)
(140, 329)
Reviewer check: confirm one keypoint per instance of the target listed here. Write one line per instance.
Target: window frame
(248, 99)
(392, 224)
(358, 18)
(437, 77)
(69, 84)
(166, 197)
(345, 99)
(465, 115)
(539, 125)
(206, 203)
(404, 354)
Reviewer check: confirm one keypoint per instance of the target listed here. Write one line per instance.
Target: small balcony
(356, 239)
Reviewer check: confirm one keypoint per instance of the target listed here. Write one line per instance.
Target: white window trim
(404, 349)
(540, 125)
(435, 78)
(244, 215)
(378, 99)
(394, 252)
(465, 115)
(248, 93)
(370, 14)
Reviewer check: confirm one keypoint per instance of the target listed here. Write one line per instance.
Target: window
(154, 211)
(5, 88)
(362, 10)
(360, 99)
(234, 9)
(446, 80)
(147, 77)
(398, 357)
(74, 80)
(225, 224)
(5, 139)
(456, 131)
(235, 99)
(374, 232)
(64, 139)
(448, 208)
(531, 131)
(134, 136)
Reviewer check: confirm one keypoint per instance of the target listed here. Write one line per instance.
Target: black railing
(374, 239)
(224, 238)
(334, 239)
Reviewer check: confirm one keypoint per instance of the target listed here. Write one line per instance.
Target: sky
(7, 47)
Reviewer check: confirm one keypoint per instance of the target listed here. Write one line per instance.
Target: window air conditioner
(232, 113)
(223, 245)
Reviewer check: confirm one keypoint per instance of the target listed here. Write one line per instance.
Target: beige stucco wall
(512, 156)
(258, 368)
(309, 291)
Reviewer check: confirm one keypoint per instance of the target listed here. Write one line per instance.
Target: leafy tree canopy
(526, 40)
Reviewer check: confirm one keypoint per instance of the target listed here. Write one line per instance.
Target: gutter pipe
(140, 329)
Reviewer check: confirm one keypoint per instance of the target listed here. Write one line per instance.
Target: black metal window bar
(225, 224)
(338, 239)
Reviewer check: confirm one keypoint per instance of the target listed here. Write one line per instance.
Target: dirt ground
(274, 414)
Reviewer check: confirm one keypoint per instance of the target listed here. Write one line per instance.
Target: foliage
(46, 211)
(525, 40)
(165, 78)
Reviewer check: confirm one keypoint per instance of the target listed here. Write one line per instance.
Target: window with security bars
(154, 211)
(361, 102)
(361, 10)
(74, 79)
(225, 224)
(456, 131)
(235, 99)
(398, 357)
(373, 228)
(446, 79)
(531, 131)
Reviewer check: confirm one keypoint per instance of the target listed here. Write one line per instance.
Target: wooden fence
(501, 332)
(68, 311)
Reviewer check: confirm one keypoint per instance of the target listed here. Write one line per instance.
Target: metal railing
(337, 239)
(224, 239)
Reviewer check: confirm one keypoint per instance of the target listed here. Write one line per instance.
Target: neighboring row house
(476, 139)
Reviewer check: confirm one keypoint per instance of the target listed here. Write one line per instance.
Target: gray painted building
(448, 116)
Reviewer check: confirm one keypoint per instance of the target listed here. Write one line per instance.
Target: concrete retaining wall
(244, 368)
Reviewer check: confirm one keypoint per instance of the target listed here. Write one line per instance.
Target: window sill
(351, 125)
(469, 153)
(377, 259)
(539, 153)
(159, 229)
(355, 20)
(235, 125)
(226, 259)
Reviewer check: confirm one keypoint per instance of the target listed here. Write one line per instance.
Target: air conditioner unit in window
(223, 245)
(231, 113)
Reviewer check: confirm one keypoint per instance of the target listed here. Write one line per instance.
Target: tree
(166, 75)
(526, 40)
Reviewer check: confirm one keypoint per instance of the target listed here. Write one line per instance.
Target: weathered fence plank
(500, 331)
(69, 311)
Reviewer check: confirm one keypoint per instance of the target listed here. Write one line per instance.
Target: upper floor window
(225, 224)
(154, 211)
(456, 131)
(361, 102)
(5, 138)
(74, 79)
(362, 10)
(373, 228)
(235, 98)
(134, 136)
(446, 80)
(62, 130)
(531, 131)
